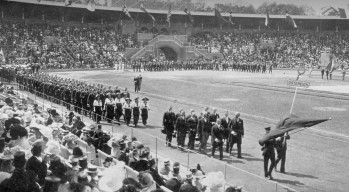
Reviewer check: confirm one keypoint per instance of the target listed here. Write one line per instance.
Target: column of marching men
(225, 65)
(203, 126)
(96, 101)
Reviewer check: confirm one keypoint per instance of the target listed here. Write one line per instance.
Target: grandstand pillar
(259, 27)
(337, 29)
(82, 19)
(317, 28)
(43, 17)
(278, 27)
(240, 27)
(2, 14)
(62, 19)
(102, 21)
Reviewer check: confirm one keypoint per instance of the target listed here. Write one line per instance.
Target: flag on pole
(2, 56)
(68, 2)
(125, 10)
(145, 11)
(168, 19)
(332, 65)
(91, 6)
(191, 19)
(219, 16)
(267, 20)
(290, 21)
(231, 18)
(289, 123)
(342, 13)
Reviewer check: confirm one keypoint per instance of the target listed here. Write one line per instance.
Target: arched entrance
(168, 53)
(154, 30)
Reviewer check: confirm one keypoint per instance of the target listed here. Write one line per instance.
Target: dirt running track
(317, 158)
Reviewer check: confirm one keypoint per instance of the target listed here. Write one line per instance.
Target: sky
(316, 4)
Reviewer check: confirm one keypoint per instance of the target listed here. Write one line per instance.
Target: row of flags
(90, 5)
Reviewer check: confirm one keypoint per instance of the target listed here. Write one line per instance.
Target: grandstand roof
(78, 4)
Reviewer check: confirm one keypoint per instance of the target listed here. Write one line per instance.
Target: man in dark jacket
(281, 148)
(217, 138)
(268, 154)
(236, 128)
(204, 131)
(181, 129)
(168, 122)
(225, 122)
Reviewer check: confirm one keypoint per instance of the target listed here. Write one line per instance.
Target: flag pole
(294, 99)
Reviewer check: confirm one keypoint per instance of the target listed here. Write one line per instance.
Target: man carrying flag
(145, 11)
(125, 10)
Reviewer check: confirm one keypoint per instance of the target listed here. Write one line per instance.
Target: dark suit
(203, 131)
(225, 122)
(157, 178)
(217, 138)
(236, 125)
(168, 122)
(268, 154)
(281, 148)
(182, 129)
(40, 168)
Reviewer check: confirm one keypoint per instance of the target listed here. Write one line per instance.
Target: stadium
(116, 95)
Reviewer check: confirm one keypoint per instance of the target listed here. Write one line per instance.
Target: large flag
(191, 18)
(125, 10)
(68, 2)
(219, 16)
(2, 56)
(91, 5)
(290, 123)
(168, 19)
(145, 11)
(342, 13)
(267, 20)
(290, 21)
(231, 19)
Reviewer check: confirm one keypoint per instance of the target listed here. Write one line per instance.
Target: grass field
(316, 158)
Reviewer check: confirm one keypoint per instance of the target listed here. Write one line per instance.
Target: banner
(325, 58)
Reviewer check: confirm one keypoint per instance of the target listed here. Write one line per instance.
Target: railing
(188, 158)
(140, 52)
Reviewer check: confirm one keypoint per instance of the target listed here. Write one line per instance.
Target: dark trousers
(281, 156)
(220, 147)
(191, 141)
(269, 156)
(181, 139)
(98, 113)
(169, 132)
(135, 119)
(239, 148)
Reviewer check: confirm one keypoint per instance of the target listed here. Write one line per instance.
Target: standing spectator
(269, 155)
(181, 129)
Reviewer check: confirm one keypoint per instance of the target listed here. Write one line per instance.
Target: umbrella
(290, 123)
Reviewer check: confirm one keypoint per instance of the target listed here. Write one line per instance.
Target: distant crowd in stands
(288, 50)
(58, 47)
(62, 47)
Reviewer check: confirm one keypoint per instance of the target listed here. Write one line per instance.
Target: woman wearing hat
(127, 111)
(109, 107)
(144, 110)
(135, 110)
(97, 105)
(119, 101)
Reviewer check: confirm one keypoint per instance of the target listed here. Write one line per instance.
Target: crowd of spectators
(39, 151)
(285, 50)
(55, 46)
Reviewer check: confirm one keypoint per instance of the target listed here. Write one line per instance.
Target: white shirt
(97, 103)
(121, 100)
(126, 106)
(145, 106)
